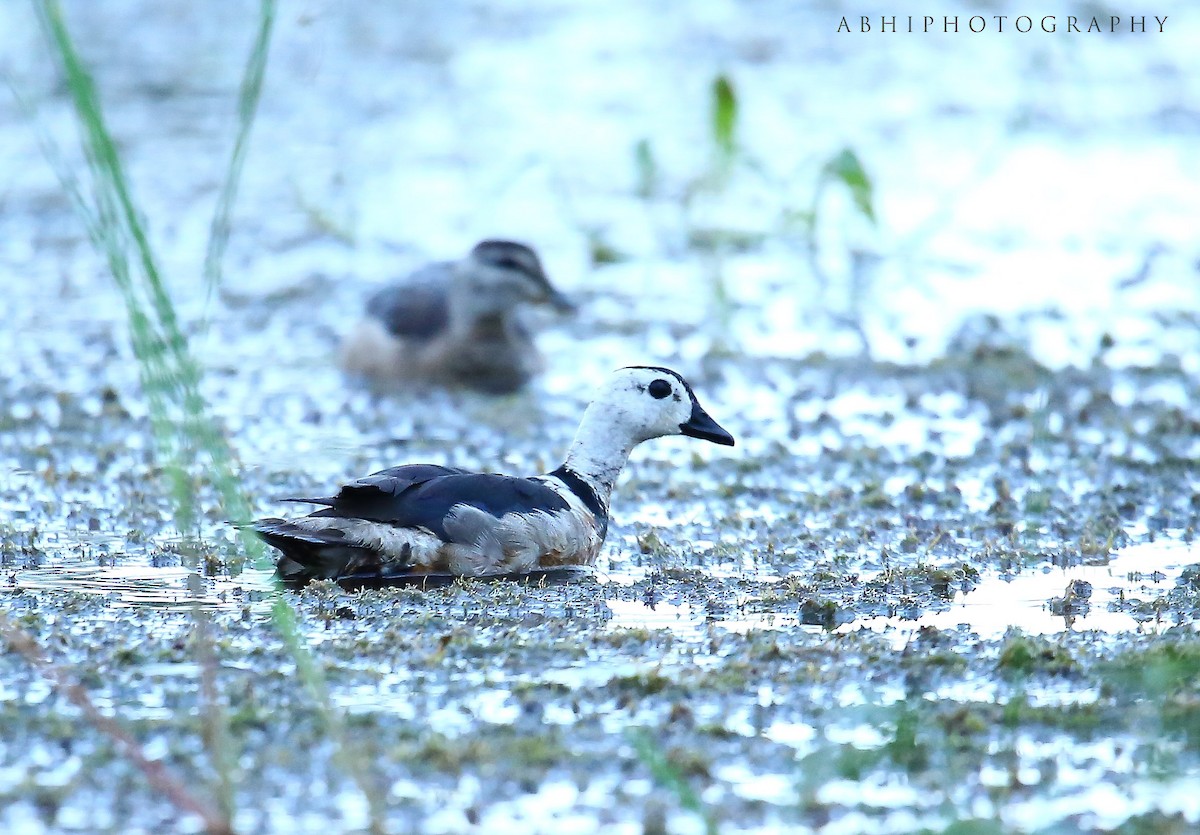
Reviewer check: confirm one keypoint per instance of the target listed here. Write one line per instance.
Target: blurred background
(1048, 179)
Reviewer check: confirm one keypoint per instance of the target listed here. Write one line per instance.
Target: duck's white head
(650, 402)
(636, 404)
(499, 275)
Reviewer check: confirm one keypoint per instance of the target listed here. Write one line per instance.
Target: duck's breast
(519, 541)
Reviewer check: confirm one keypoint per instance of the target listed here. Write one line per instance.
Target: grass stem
(156, 773)
(184, 431)
(249, 95)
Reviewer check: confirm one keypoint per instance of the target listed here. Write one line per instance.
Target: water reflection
(1040, 601)
(172, 588)
(1116, 596)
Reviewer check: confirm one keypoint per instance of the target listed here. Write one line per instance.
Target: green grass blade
(249, 95)
(53, 155)
(170, 375)
(646, 168)
(184, 431)
(668, 776)
(283, 616)
(724, 117)
(846, 168)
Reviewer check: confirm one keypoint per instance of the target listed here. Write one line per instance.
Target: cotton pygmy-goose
(424, 518)
(456, 323)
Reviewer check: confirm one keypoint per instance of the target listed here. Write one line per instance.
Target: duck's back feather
(422, 496)
(416, 308)
(387, 482)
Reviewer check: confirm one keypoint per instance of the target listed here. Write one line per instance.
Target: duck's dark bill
(701, 426)
(441, 579)
(561, 303)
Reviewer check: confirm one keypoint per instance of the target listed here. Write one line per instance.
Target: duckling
(426, 518)
(456, 323)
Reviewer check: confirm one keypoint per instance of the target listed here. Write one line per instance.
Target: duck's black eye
(507, 262)
(530, 271)
(659, 389)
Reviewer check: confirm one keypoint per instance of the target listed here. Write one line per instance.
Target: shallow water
(987, 609)
(172, 588)
(1025, 601)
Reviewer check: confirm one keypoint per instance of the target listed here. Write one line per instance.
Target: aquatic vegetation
(724, 119)
(1168, 670)
(735, 170)
(249, 94)
(159, 777)
(668, 773)
(1023, 655)
(186, 433)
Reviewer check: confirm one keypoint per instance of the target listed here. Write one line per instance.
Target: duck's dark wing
(416, 308)
(422, 495)
(378, 489)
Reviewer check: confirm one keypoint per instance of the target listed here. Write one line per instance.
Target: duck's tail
(307, 554)
(370, 352)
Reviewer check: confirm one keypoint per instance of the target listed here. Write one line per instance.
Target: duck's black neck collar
(585, 490)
